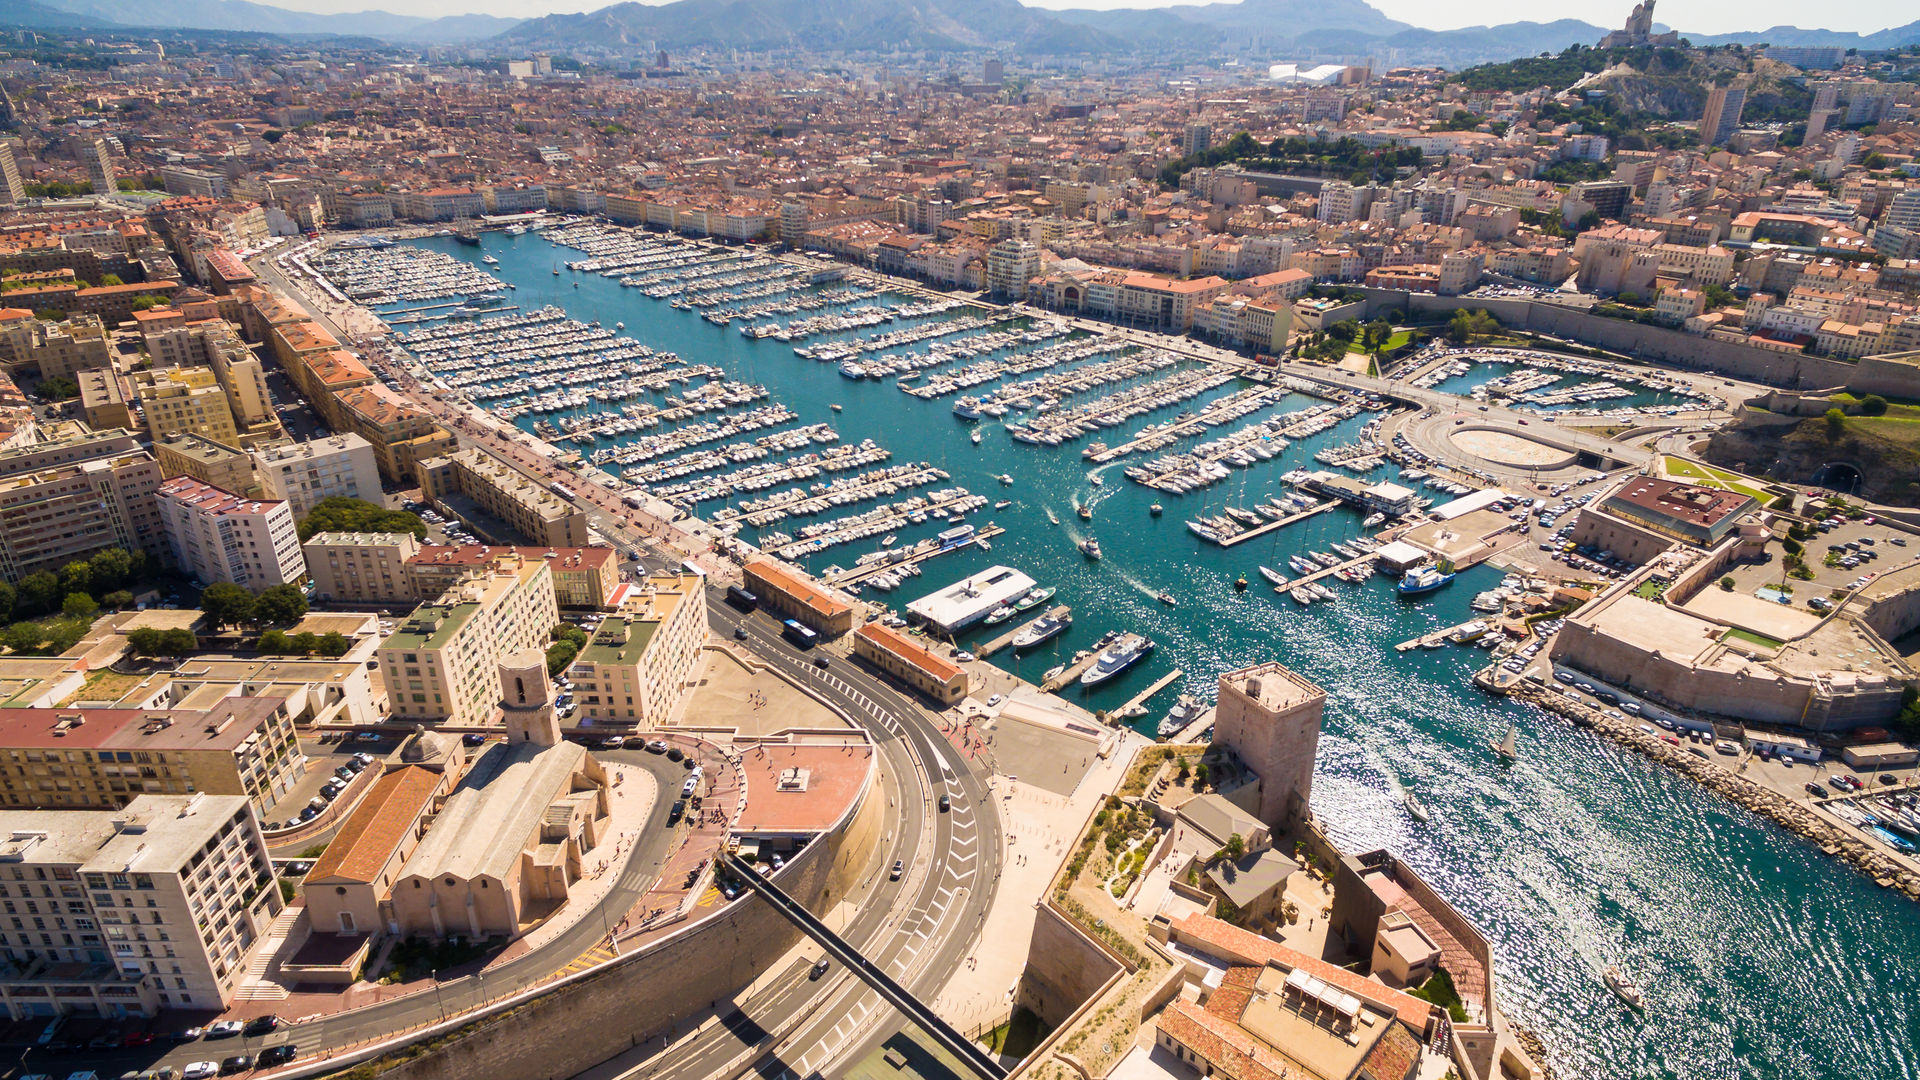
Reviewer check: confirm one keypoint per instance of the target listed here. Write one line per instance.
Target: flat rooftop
(802, 789)
(1702, 507)
(1273, 686)
(971, 598)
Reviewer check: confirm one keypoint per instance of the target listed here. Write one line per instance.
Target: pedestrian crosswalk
(593, 957)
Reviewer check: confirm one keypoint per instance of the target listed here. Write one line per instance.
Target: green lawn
(1752, 638)
(1712, 477)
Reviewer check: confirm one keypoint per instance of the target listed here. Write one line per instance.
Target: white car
(200, 1070)
(994, 700)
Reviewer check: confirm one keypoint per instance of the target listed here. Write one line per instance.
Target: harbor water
(1760, 957)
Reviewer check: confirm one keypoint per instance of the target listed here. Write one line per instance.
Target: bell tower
(526, 699)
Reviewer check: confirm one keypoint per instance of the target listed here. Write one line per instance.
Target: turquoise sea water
(1761, 958)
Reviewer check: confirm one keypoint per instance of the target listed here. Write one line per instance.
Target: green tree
(58, 388)
(39, 591)
(7, 598)
(226, 604)
(111, 279)
(274, 641)
(334, 643)
(1873, 405)
(26, 637)
(569, 632)
(339, 513)
(76, 576)
(79, 605)
(178, 642)
(1726, 583)
(1344, 330)
(111, 568)
(1791, 546)
(559, 655)
(50, 314)
(280, 604)
(306, 642)
(145, 641)
(1236, 846)
(117, 600)
(1836, 424)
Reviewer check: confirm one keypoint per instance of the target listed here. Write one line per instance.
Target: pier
(1364, 560)
(1006, 639)
(861, 573)
(1271, 526)
(1073, 671)
(1437, 637)
(1141, 698)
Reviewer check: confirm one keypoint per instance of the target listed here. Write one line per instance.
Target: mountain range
(1276, 29)
(259, 18)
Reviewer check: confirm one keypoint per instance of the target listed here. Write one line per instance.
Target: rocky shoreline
(1775, 807)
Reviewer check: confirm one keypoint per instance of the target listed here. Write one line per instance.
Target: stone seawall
(1797, 818)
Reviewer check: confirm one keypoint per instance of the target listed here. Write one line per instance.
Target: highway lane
(916, 928)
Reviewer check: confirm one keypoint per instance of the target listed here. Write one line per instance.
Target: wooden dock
(1073, 670)
(1271, 526)
(1364, 560)
(861, 573)
(1006, 639)
(1436, 637)
(1140, 698)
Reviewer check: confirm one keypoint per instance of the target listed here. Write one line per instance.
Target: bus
(741, 598)
(793, 631)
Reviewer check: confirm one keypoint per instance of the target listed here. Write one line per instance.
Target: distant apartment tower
(13, 191)
(184, 180)
(55, 508)
(1010, 265)
(216, 535)
(1323, 106)
(993, 71)
(1199, 139)
(1722, 116)
(304, 473)
(97, 156)
(1271, 719)
(152, 906)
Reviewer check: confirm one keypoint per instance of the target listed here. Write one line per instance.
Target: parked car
(277, 1055)
(200, 1070)
(236, 1064)
(225, 1029)
(264, 1025)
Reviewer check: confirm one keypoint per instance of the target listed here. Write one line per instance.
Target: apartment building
(185, 399)
(13, 190)
(51, 516)
(213, 344)
(186, 180)
(103, 399)
(402, 434)
(220, 743)
(440, 665)
(471, 480)
(126, 912)
(56, 350)
(638, 665)
(583, 577)
(184, 453)
(362, 568)
(304, 473)
(217, 535)
(97, 156)
(1011, 264)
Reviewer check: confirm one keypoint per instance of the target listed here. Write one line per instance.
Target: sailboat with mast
(1507, 745)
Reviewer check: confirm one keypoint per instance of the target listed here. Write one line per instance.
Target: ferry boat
(1035, 598)
(1090, 548)
(1624, 988)
(1121, 655)
(1423, 579)
(1043, 629)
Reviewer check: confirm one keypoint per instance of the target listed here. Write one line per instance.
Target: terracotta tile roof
(1231, 1051)
(366, 841)
(1234, 944)
(910, 651)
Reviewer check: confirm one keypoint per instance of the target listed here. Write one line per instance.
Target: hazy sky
(1704, 16)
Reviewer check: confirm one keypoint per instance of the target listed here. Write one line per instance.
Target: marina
(1528, 848)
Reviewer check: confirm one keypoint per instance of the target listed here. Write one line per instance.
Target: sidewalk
(1038, 827)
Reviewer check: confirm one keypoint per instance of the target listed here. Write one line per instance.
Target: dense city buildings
(216, 535)
(437, 665)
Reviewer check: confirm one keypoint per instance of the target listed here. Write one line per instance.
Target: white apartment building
(216, 535)
(126, 912)
(440, 664)
(304, 473)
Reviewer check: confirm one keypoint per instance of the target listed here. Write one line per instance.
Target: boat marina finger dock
(1273, 526)
(1287, 587)
(1006, 639)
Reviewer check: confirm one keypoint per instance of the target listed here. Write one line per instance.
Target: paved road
(917, 929)
(384, 1018)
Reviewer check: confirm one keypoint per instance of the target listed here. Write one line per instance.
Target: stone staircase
(255, 985)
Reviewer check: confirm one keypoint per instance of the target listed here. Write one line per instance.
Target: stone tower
(526, 699)
(1271, 719)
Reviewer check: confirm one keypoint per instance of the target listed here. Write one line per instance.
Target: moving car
(898, 869)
